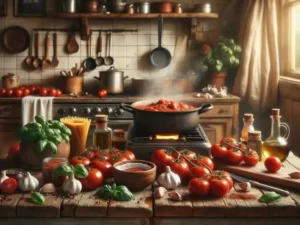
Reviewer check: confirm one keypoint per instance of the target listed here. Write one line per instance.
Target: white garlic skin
(72, 186)
(28, 182)
(168, 179)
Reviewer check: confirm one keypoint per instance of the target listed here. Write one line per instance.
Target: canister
(10, 81)
(143, 7)
(69, 6)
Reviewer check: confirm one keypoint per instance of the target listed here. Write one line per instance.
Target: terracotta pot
(33, 161)
(72, 84)
(135, 181)
(218, 79)
(166, 7)
(91, 6)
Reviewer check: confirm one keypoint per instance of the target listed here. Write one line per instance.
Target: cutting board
(259, 173)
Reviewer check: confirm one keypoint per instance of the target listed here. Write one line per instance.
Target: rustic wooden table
(86, 208)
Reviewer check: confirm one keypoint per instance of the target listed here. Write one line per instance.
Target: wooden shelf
(138, 16)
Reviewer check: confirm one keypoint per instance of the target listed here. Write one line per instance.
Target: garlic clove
(175, 196)
(295, 175)
(160, 192)
(48, 188)
(245, 186)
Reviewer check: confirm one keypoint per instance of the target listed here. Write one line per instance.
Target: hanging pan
(15, 39)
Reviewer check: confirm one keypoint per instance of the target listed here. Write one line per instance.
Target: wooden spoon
(72, 45)
(37, 63)
(47, 62)
(55, 61)
(29, 59)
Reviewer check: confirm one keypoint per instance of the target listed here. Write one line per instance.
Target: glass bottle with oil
(276, 145)
(102, 136)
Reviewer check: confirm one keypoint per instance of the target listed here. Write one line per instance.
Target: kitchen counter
(231, 209)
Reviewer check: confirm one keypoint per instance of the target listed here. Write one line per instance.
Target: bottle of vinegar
(102, 136)
(248, 127)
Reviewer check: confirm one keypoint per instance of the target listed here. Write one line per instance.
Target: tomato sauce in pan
(166, 106)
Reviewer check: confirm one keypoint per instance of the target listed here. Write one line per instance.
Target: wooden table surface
(87, 208)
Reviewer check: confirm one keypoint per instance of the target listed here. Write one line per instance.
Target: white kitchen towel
(33, 105)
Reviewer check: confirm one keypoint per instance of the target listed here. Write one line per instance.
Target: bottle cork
(101, 117)
(118, 133)
(248, 117)
(275, 112)
(254, 135)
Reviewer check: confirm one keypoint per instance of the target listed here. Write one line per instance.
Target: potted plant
(42, 139)
(218, 57)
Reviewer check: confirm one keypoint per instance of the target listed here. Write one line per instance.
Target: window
(295, 34)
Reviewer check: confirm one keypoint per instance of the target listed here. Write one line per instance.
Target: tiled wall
(130, 50)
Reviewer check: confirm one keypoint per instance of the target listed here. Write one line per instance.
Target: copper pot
(166, 7)
(72, 84)
(10, 81)
(91, 6)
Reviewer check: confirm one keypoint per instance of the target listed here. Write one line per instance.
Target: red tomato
(181, 168)
(199, 187)
(109, 153)
(128, 154)
(3, 92)
(18, 93)
(102, 93)
(52, 92)
(104, 166)
(43, 92)
(93, 181)
(37, 88)
(13, 152)
(22, 87)
(233, 157)
(161, 158)
(26, 92)
(101, 155)
(80, 160)
(9, 93)
(228, 140)
(117, 158)
(203, 160)
(251, 158)
(218, 151)
(89, 154)
(219, 187)
(186, 153)
(58, 93)
(32, 89)
(9, 186)
(273, 164)
(198, 172)
(225, 175)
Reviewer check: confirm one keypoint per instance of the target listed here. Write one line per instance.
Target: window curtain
(258, 76)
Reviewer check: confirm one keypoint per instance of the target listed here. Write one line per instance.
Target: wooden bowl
(134, 181)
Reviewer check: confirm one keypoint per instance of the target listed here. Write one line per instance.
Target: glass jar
(178, 8)
(248, 126)
(118, 139)
(102, 136)
(276, 144)
(49, 164)
(255, 142)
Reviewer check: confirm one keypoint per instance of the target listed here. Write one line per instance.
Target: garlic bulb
(214, 90)
(28, 183)
(208, 96)
(3, 177)
(72, 186)
(169, 180)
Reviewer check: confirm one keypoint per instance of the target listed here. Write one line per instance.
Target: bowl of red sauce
(136, 175)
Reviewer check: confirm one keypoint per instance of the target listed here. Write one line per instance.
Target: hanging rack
(78, 30)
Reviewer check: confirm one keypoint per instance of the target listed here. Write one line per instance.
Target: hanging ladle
(108, 60)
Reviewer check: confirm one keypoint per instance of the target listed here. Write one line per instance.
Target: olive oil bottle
(102, 136)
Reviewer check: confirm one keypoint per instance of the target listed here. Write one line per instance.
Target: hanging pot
(112, 81)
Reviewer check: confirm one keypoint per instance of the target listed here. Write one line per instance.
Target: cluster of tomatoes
(30, 90)
(102, 93)
(99, 164)
(229, 152)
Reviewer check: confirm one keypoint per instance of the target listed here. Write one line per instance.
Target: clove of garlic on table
(175, 196)
(208, 96)
(295, 175)
(160, 192)
(245, 186)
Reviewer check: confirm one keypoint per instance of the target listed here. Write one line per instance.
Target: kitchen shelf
(139, 16)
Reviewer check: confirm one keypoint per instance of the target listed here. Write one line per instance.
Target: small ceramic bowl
(136, 175)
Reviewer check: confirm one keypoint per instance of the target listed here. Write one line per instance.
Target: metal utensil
(55, 61)
(89, 63)
(108, 60)
(46, 64)
(99, 59)
(72, 45)
(260, 185)
(63, 73)
(37, 63)
(80, 71)
(29, 59)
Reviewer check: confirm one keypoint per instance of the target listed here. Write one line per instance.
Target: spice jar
(178, 8)
(10, 81)
(255, 142)
(91, 6)
(118, 139)
(248, 126)
(130, 9)
(49, 164)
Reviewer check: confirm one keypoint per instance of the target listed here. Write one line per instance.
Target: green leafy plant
(46, 134)
(219, 56)
(120, 193)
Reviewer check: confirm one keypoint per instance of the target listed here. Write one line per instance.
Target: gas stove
(144, 144)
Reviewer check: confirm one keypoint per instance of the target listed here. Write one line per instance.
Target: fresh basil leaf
(63, 170)
(269, 197)
(105, 192)
(37, 198)
(80, 171)
(121, 195)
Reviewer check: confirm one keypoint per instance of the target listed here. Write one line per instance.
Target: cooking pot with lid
(111, 80)
(10, 81)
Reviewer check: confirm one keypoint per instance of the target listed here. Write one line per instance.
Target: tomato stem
(236, 148)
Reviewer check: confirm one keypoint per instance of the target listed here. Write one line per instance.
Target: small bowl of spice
(136, 175)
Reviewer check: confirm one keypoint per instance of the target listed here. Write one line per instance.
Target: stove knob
(61, 112)
(118, 112)
(71, 111)
(107, 111)
(86, 111)
(96, 111)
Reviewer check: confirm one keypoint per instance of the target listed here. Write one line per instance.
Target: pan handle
(97, 78)
(205, 108)
(126, 107)
(160, 27)
(125, 77)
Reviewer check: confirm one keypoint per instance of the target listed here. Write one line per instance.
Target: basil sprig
(80, 171)
(37, 198)
(66, 170)
(120, 193)
(270, 197)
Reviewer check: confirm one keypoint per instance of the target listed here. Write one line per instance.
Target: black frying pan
(160, 57)
(15, 39)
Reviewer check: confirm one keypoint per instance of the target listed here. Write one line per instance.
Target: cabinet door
(7, 135)
(216, 128)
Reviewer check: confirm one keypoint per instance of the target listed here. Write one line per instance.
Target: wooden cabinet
(222, 120)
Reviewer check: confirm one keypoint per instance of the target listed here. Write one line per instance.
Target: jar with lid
(248, 126)
(178, 8)
(102, 136)
(10, 81)
(48, 167)
(130, 9)
(118, 140)
(255, 142)
(69, 6)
